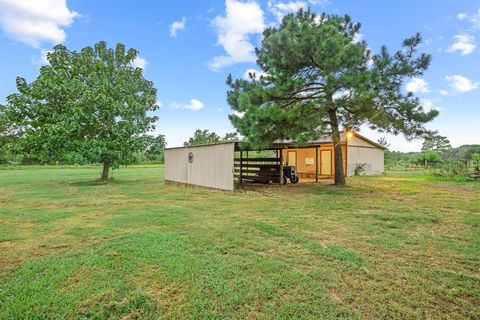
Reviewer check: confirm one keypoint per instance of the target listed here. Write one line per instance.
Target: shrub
(359, 168)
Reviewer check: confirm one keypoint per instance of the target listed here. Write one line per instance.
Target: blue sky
(188, 48)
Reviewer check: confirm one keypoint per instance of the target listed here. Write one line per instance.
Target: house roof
(278, 144)
(324, 139)
(376, 144)
(202, 145)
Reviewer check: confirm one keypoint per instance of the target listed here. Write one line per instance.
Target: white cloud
(358, 37)
(139, 62)
(475, 19)
(241, 20)
(257, 74)
(280, 9)
(41, 59)
(464, 43)
(177, 26)
(461, 83)
(239, 114)
(417, 85)
(194, 105)
(427, 105)
(341, 94)
(319, 2)
(461, 16)
(43, 55)
(159, 103)
(444, 92)
(35, 22)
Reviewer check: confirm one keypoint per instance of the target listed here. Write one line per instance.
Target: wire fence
(446, 167)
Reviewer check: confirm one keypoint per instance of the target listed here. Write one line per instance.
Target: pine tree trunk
(106, 169)
(337, 149)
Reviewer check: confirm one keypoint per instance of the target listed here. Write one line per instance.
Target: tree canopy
(317, 78)
(436, 143)
(462, 152)
(155, 145)
(208, 137)
(231, 137)
(6, 138)
(90, 105)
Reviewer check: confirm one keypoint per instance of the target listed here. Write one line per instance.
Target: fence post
(241, 166)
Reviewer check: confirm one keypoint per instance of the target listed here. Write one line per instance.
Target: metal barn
(209, 166)
(220, 166)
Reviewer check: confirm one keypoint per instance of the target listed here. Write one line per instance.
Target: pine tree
(318, 79)
(436, 143)
(383, 142)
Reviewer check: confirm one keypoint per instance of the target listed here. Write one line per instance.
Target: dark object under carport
(263, 170)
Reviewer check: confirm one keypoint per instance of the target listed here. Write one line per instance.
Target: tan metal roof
(325, 139)
(277, 144)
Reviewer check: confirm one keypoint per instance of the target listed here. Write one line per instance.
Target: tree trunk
(280, 173)
(106, 169)
(337, 149)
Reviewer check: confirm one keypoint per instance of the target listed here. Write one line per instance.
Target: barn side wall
(211, 167)
(308, 170)
(360, 151)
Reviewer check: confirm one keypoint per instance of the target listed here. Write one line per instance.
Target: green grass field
(392, 247)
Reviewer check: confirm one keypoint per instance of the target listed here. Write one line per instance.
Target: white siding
(360, 151)
(212, 166)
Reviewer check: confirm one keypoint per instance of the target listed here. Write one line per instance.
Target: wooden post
(241, 166)
(280, 180)
(316, 163)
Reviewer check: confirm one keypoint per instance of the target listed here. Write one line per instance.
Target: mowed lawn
(391, 247)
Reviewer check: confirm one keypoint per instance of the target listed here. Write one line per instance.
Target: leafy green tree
(87, 106)
(8, 139)
(4, 139)
(436, 143)
(430, 156)
(207, 137)
(316, 79)
(202, 137)
(231, 137)
(155, 146)
(463, 152)
(476, 161)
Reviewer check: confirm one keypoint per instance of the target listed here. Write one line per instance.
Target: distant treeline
(464, 152)
(460, 161)
(152, 152)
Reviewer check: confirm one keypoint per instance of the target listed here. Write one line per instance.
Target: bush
(430, 157)
(359, 169)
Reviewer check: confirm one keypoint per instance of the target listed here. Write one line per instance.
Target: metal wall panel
(372, 158)
(360, 151)
(211, 165)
